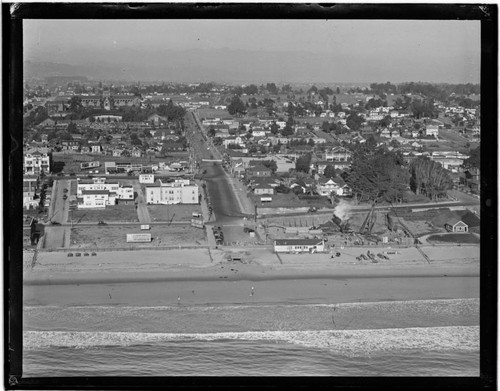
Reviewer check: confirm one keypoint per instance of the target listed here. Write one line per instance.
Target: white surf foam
(349, 342)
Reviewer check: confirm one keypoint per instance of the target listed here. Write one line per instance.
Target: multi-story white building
(181, 191)
(96, 184)
(30, 186)
(96, 199)
(36, 161)
(98, 192)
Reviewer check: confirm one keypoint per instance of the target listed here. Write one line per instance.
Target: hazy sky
(406, 50)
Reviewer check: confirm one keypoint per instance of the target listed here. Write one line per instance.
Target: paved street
(142, 208)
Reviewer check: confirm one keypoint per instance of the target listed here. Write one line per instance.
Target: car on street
(101, 223)
(65, 190)
(65, 197)
(55, 223)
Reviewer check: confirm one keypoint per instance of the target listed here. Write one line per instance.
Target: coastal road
(225, 203)
(297, 291)
(57, 236)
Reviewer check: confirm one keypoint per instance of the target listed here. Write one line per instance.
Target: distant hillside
(52, 70)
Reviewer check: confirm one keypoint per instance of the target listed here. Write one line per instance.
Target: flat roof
(298, 242)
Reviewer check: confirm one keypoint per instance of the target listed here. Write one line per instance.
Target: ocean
(405, 338)
(241, 358)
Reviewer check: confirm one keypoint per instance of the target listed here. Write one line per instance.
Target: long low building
(181, 191)
(299, 245)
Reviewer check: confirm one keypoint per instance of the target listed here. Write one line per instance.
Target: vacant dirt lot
(110, 213)
(173, 212)
(116, 237)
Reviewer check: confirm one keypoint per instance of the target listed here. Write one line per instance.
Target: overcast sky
(389, 50)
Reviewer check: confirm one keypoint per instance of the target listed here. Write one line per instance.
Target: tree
(429, 178)
(272, 89)
(75, 104)
(311, 142)
(377, 175)
(354, 121)
(271, 164)
(274, 128)
(474, 159)
(303, 163)
(71, 127)
(211, 132)
(236, 107)
(330, 171)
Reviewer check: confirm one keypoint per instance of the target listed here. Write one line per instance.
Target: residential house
(338, 154)
(95, 148)
(70, 145)
(259, 171)
(432, 130)
(263, 189)
(326, 186)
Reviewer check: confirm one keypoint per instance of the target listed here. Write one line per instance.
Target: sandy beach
(258, 264)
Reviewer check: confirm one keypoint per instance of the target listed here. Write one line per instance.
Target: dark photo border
(13, 16)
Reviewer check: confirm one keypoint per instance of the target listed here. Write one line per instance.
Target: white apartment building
(30, 185)
(36, 161)
(96, 199)
(97, 193)
(181, 191)
(96, 184)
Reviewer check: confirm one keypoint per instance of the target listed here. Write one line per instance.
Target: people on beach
(252, 291)
(178, 300)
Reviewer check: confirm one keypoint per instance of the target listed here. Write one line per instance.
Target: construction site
(385, 226)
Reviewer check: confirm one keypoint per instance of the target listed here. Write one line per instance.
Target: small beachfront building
(456, 225)
(299, 245)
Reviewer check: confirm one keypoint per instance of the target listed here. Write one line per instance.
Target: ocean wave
(348, 342)
(442, 303)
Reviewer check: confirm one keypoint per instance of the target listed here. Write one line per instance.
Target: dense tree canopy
(303, 163)
(236, 107)
(377, 176)
(429, 178)
(474, 160)
(354, 121)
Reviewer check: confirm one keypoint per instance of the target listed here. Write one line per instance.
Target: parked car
(55, 223)
(65, 190)
(78, 254)
(85, 254)
(93, 254)
(70, 254)
(65, 197)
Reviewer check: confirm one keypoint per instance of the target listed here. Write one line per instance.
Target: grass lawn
(110, 213)
(454, 238)
(178, 212)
